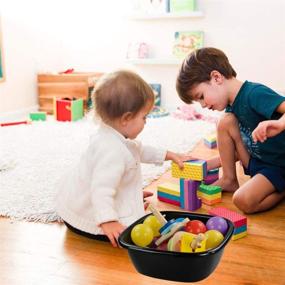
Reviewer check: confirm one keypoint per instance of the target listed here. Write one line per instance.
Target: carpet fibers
(33, 157)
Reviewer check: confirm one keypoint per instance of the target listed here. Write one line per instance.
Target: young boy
(251, 130)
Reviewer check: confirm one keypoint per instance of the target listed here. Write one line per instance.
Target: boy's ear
(125, 118)
(216, 76)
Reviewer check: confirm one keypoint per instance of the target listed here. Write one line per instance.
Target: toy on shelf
(239, 221)
(178, 6)
(158, 112)
(38, 116)
(68, 110)
(156, 87)
(190, 193)
(138, 50)
(186, 42)
(210, 141)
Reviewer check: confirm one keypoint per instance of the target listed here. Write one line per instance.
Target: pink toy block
(237, 219)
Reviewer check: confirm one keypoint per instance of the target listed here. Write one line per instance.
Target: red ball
(195, 227)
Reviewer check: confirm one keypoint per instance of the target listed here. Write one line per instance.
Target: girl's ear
(216, 76)
(125, 118)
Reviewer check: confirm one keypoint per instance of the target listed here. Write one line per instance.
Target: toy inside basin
(175, 266)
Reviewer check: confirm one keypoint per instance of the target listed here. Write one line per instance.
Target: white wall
(92, 35)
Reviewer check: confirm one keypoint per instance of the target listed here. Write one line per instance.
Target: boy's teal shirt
(253, 104)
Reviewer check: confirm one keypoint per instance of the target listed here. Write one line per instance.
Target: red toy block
(68, 109)
(169, 201)
(237, 219)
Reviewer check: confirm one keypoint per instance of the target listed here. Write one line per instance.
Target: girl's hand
(178, 158)
(112, 230)
(145, 195)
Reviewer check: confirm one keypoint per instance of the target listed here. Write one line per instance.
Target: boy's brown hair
(197, 67)
(120, 92)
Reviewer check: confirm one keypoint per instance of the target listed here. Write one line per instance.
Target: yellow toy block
(209, 197)
(240, 235)
(211, 138)
(169, 188)
(193, 169)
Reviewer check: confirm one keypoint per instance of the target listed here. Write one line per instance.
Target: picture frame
(2, 71)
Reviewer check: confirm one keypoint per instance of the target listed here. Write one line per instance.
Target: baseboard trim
(22, 114)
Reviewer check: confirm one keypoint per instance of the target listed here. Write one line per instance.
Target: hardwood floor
(34, 253)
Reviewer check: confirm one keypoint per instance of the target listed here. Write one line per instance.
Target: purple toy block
(191, 201)
(212, 176)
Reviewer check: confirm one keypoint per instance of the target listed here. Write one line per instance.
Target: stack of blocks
(169, 193)
(211, 141)
(185, 195)
(239, 221)
(210, 194)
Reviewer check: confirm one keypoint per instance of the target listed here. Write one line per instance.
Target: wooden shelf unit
(171, 15)
(155, 61)
(73, 85)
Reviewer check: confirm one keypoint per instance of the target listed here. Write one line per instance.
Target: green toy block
(77, 110)
(38, 116)
(210, 189)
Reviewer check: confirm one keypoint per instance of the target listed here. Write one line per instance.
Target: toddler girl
(103, 193)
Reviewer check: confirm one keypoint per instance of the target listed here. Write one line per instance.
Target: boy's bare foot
(227, 185)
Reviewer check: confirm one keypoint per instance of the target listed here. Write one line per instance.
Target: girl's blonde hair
(120, 92)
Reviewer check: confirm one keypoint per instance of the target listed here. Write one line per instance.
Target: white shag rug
(33, 157)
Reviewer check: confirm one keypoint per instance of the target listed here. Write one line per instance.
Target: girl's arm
(178, 158)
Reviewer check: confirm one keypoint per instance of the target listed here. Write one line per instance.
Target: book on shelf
(156, 87)
(187, 41)
(178, 6)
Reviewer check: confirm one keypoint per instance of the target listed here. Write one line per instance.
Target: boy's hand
(178, 158)
(112, 230)
(267, 129)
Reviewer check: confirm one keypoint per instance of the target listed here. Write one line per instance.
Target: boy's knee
(228, 120)
(244, 203)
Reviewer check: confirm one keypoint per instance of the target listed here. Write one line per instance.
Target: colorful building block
(188, 195)
(210, 141)
(38, 116)
(212, 176)
(239, 221)
(193, 169)
(210, 194)
(68, 110)
(169, 193)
